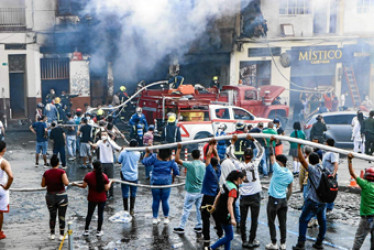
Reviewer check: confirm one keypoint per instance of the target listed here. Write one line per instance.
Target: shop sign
(320, 56)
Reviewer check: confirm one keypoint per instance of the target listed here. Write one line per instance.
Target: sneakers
(166, 221)
(99, 233)
(299, 246)
(86, 233)
(155, 221)
(36, 164)
(62, 237)
(64, 167)
(253, 244)
(52, 236)
(46, 165)
(178, 230)
(283, 246)
(272, 246)
(198, 229)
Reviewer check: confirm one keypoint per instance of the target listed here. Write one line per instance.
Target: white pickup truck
(202, 123)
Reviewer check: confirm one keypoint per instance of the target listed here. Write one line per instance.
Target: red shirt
(93, 195)
(53, 180)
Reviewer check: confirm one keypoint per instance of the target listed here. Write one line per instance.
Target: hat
(122, 88)
(172, 118)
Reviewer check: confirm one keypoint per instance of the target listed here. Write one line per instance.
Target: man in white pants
(6, 179)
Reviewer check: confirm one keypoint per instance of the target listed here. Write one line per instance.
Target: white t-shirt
(106, 150)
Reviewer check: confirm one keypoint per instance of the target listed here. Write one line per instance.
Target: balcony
(12, 19)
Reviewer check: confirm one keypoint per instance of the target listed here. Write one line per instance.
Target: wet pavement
(26, 226)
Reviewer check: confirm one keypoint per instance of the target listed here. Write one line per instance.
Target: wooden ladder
(352, 85)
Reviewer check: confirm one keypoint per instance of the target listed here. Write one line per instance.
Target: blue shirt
(129, 161)
(328, 160)
(40, 128)
(211, 180)
(282, 177)
(161, 174)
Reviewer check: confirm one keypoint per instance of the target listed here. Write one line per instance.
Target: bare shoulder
(5, 164)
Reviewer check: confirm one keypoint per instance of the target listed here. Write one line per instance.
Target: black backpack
(327, 189)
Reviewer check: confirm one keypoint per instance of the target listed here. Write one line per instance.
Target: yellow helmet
(100, 112)
(57, 100)
(215, 78)
(122, 88)
(172, 118)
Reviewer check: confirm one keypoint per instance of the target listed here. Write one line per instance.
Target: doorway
(17, 86)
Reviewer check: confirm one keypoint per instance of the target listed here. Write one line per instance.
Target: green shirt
(272, 132)
(367, 197)
(195, 175)
(300, 135)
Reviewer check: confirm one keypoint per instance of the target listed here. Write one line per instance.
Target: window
(339, 119)
(250, 95)
(223, 113)
(365, 6)
(294, 7)
(240, 114)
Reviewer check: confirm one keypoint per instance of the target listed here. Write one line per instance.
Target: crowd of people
(223, 180)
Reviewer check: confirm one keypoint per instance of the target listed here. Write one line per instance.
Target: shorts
(41, 146)
(293, 152)
(4, 200)
(85, 149)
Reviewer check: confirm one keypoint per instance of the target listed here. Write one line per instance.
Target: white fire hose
(227, 137)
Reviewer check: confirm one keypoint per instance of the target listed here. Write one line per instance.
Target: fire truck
(199, 110)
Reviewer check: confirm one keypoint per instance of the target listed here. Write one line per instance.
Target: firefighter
(171, 133)
(176, 81)
(241, 144)
(123, 94)
(215, 83)
(61, 114)
(138, 118)
(50, 96)
(65, 101)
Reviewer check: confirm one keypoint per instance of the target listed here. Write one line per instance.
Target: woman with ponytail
(299, 134)
(98, 184)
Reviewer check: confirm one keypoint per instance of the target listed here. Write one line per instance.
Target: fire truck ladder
(352, 85)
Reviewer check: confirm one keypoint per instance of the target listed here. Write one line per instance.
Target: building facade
(306, 47)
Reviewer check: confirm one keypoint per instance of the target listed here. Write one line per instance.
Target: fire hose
(227, 137)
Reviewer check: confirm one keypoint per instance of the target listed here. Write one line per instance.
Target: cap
(172, 118)
(276, 120)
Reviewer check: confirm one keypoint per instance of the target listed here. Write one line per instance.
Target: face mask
(104, 138)
(220, 131)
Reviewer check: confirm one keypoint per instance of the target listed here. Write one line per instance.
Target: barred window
(294, 7)
(364, 6)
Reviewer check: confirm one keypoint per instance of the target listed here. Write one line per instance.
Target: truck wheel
(200, 135)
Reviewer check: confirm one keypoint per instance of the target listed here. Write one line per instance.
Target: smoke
(138, 35)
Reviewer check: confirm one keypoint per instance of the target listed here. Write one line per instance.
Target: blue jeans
(148, 170)
(160, 194)
(237, 211)
(60, 150)
(189, 200)
(126, 188)
(71, 141)
(310, 210)
(229, 236)
(267, 159)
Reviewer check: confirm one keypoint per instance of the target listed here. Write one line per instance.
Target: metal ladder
(352, 85)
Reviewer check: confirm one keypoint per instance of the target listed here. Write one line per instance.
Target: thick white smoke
(150, 30)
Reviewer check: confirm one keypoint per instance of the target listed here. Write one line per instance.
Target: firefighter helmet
(172, 118)
(122, 88)
(215, 78)
(369, 174)
(100, 112)
(57, 100)
(239, 126)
